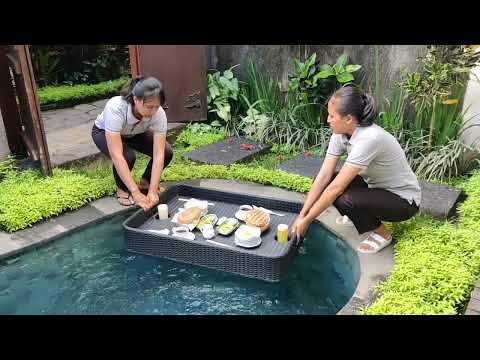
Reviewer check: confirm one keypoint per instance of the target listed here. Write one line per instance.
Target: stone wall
(277, 60)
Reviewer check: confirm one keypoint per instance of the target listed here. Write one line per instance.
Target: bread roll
(189, 216)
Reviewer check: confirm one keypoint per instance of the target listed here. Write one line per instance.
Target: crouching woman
(135, 121)
(375, 184)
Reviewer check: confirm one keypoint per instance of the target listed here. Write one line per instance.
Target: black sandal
(129, 198)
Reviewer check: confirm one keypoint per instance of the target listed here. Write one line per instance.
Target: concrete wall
(277, 60)
(471, 107)
(4, 149)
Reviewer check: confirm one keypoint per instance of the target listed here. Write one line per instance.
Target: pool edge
(373, 267)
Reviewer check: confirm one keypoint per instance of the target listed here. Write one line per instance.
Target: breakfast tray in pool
(269, 261)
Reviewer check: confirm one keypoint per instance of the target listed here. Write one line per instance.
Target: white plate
(240, 215)
(250, 244)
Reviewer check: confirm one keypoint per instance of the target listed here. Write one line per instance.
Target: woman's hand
(300, 227)
(152, 198)
(141, 200)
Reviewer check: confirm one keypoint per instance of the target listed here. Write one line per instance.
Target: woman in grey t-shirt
(376, 182)
(135, 121)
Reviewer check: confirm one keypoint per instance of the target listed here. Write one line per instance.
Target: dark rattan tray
(269, 261)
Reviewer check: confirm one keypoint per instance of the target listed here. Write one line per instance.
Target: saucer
(248, 244)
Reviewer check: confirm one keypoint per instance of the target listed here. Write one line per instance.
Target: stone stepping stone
(226, 152)
(439, 201)
(308, 166)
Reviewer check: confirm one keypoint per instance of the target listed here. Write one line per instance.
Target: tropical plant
(446, 69)
(254, 124)
(320, 81)
(434, 152)
(222, 94)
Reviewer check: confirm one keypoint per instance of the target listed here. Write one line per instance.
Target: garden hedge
(56, 97)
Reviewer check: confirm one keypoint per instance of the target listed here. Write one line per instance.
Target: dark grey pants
(142, 142)
(367, 207)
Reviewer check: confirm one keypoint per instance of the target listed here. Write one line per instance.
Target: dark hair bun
(350, 100)
(369, 113)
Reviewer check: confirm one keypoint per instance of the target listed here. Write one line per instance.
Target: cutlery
(220, 244)
(268, 211)
(182, 199)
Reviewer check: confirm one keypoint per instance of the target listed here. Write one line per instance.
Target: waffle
(258, 218)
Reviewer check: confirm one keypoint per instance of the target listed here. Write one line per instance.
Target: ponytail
(126, 92)
(143, 87)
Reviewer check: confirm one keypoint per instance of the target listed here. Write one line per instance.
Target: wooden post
(8, 105)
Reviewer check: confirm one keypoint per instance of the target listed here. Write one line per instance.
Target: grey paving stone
(226, 152)
(305, 165)
(77, 218)
(6, 245)
(109, 205)
(100, 103)
(474, 305)
(35, 236)
(471, 312)
(438, 201)
(476, 293)
(84, 107)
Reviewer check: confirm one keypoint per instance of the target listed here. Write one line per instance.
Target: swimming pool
(89, 272)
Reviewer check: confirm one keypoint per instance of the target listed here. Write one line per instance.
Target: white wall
(4, 150)
(471, 107)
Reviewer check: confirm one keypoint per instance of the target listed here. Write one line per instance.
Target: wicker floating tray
(269, 261)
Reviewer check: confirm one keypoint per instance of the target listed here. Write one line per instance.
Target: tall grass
(293, 121)
(433, 153)
(258, 87)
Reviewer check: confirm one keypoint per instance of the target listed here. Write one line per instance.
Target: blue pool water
(88, 272)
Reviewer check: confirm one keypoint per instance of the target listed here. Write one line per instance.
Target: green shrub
(28, 197)
(197, 135)
(7, 165)
(436, 264)
(67, 96)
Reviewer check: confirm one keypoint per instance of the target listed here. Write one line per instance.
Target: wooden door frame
(134, 60)
(36, 141)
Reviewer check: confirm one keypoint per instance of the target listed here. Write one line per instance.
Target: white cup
(208, 232)
(162, 211)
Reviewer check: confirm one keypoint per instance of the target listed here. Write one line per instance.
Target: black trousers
(142, 142)
(367, 207)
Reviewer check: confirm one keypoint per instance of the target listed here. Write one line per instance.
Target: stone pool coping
(373, 267)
